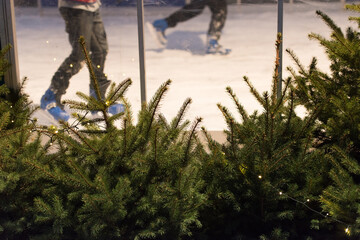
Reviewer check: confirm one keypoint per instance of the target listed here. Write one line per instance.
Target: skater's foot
(213, 47)
(157, 30)
(48, 103)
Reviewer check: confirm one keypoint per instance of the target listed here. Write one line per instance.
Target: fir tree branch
(181, 113)
(254, 92)
(240, 108)
(90, 67)
(81, 138)
(192, 133)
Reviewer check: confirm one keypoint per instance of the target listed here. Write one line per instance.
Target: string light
(260, 177)
(54, 59)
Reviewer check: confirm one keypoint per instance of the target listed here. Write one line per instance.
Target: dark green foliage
(138, 182)
(278, 176)
(18, 145)
(336, 96)
(265, 164)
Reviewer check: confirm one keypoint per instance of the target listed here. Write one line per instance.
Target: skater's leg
(77, 24)
(99, 50)
(218, 17)
(189, 11)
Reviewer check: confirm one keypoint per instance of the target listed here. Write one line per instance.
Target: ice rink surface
(250, 32)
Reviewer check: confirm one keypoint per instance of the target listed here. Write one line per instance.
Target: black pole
(140, 17)
(2, 80)
(280, 31)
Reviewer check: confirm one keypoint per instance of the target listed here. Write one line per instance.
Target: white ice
(250, 32)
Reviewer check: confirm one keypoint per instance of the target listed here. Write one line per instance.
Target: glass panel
(250, 32)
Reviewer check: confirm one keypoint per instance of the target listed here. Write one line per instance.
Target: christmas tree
(263, 182)
(20, 143)
(137, 181)
(336, 98)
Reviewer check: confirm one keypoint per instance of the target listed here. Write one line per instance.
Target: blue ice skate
(213, 47)
(157, 30)
(48, 103)
(113, 109)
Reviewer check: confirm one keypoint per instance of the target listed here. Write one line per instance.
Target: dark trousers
(90, 26)
(218, 15)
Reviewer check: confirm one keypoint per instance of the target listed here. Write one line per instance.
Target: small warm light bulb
(308, 200)
(71, 65)
(280, 193)
(54, 59)
(56, 131)
(98, 66)
(347, 230)
(124, 74)
(51, 144)
(260, 176)
(47, 42)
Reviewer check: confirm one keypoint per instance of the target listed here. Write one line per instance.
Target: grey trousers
(90, 26)
(218, 10)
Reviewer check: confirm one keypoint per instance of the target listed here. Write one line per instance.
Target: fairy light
(98, 66)
(71, 65)
(280, 193)
(259, 176)
(54, 59)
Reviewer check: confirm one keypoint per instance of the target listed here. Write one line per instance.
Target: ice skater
(218, 10)
(82, 18)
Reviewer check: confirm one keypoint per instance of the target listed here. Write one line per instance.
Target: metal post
(39, 5)
(140, 17)
(280, 30)
(8, 36)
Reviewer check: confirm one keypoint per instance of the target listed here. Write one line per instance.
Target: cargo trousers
(89, 25)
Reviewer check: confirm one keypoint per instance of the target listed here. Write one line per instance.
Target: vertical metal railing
(8, 36)
(140, 17)
(280, 31)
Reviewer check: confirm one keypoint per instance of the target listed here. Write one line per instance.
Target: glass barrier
(249, 33)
